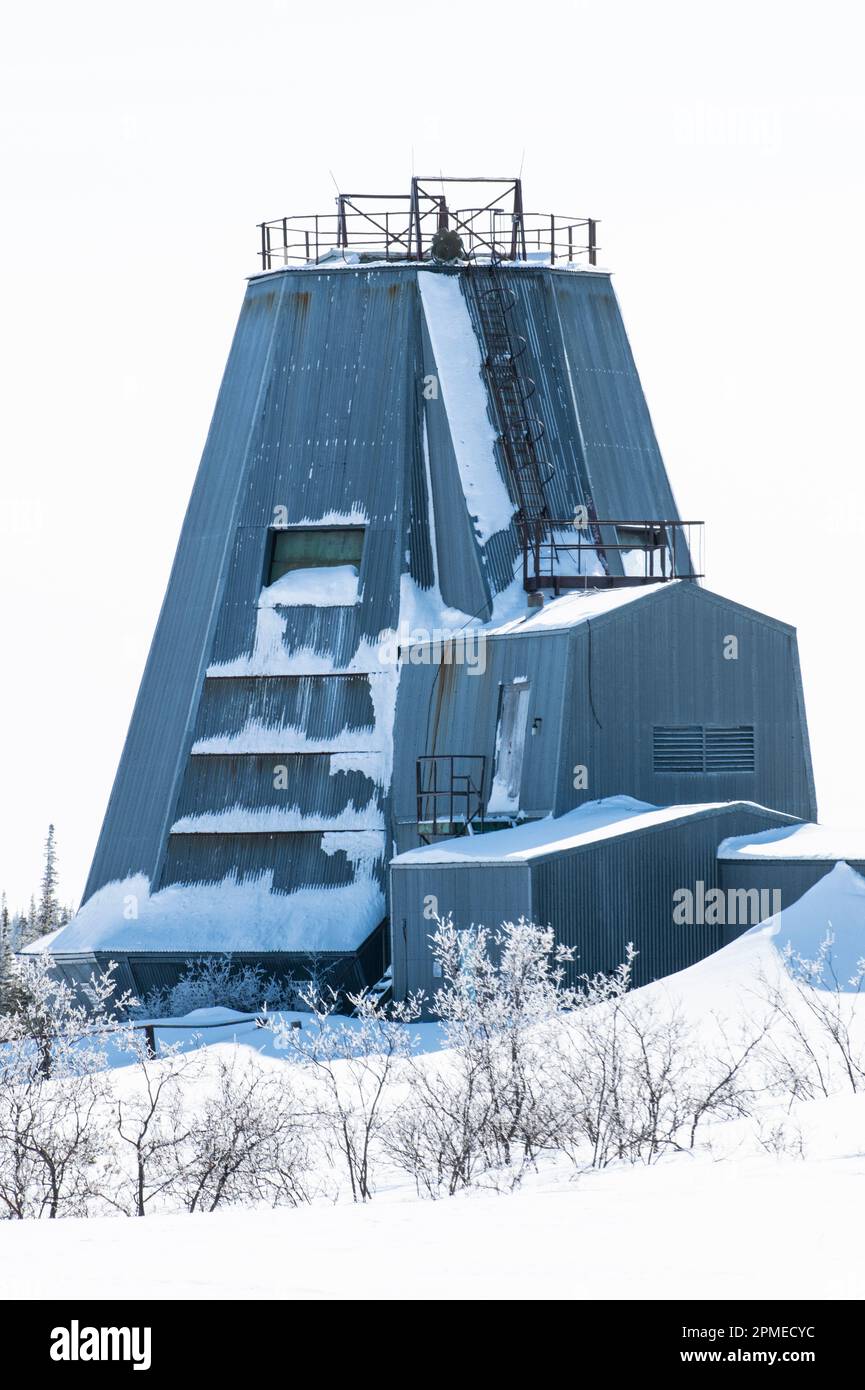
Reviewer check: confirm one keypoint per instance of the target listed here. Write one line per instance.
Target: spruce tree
(7, 963)
(28, 924)
(48, 906)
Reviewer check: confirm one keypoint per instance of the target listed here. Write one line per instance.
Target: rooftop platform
(437, 219)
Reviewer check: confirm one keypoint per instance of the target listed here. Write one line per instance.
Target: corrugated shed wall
(788, 877)
(597, 897)
(479, 894)
(604, 896)
(598, 689)
(662, 661)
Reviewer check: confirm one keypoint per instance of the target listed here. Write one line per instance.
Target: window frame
(268, 577)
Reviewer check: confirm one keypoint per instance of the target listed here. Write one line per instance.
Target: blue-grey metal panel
(337, 428)
(142, 799)
(661, 661)
(296, 860)
(535, 329)
(304, 781)
(472, 895)
(789, 878)
(625, 471)
(322, 706)
(599, 688)
(600, 897)
(451, 709)
(463, 582)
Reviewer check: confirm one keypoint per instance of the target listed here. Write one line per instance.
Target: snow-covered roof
(797, 842)
(233, 915)
(578, 607)
(593, 821)
(42, 943)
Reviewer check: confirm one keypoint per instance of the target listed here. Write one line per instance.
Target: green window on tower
(313, 547)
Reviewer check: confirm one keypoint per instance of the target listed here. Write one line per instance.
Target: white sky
(721, 145)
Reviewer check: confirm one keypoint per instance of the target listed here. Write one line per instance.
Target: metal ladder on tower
(511, 388)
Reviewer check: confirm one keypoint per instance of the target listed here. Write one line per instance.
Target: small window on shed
(314, 547)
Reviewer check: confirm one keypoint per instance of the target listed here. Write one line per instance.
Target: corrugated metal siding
(661, 662)
(603, 896)
(597, 897)
(479, 895)
(446, 709)
(337, 428)
(463, 581)
(534, 319)
(600, 690)
(295, 859)
(790, 877)
(216, 782)
(625, 471)
(422, 562)
(142, 799)
(323, 706)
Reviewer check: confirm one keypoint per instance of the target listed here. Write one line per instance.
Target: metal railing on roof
(450, 793)
(558, 554)
(401, 226)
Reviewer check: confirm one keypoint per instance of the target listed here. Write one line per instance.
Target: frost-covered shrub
(636, 1080)
(216, 982)
(491, 1109)
(355, 1069)
(818, 1043)
(249, 1142)
(54, 1093)
(538, 1066)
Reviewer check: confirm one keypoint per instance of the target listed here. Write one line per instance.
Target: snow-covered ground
(766, 1206)
(756, 1228)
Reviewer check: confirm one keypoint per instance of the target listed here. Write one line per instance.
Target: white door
(510, 747)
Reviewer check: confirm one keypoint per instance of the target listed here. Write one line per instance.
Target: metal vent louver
(730, 750)
(678, 749)
(696, 748)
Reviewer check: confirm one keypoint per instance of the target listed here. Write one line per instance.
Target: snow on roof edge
(803, 841)
(528, 841)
